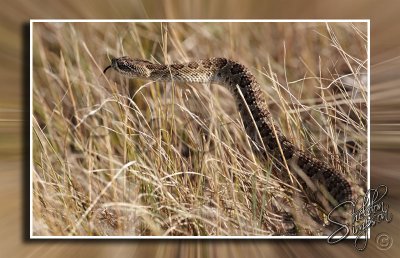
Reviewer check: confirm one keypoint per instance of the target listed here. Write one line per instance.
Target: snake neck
(196, 72)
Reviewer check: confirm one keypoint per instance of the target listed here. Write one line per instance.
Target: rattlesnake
(266, 136)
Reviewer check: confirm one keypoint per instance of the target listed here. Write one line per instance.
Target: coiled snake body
(260, 126)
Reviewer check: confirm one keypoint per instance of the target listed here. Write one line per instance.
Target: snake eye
(123, 66)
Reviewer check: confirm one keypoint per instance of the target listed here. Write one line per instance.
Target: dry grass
(125, 157)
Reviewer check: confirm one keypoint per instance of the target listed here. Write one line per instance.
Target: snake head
(134, 68)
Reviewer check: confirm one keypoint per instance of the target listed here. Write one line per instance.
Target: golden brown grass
(126, 157)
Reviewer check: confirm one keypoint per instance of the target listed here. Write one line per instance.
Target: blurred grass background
(385, 116)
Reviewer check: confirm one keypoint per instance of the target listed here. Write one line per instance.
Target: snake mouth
(105, 70)
(113, 64)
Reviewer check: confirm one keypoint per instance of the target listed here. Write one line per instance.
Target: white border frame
(194, 21)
